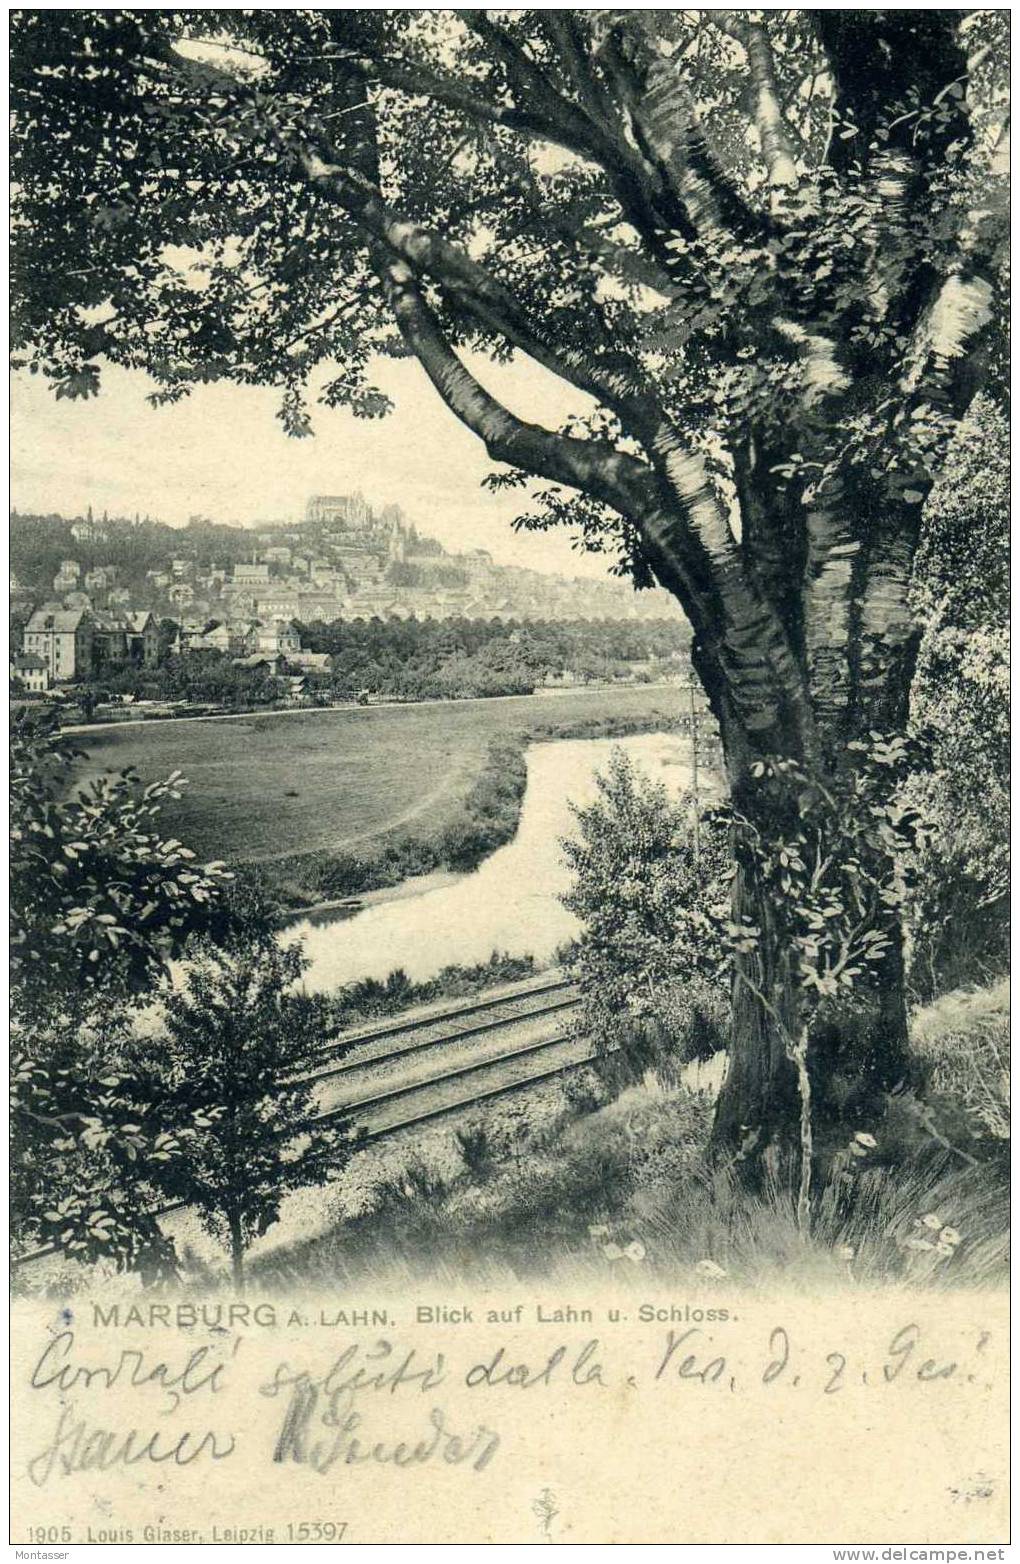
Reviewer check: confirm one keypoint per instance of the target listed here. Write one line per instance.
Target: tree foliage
(960, 706)
(100, 904)
(767, 251)
(99, 901)
(230, 1077)
(648, 960)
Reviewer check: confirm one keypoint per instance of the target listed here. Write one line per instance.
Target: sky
(222, 453)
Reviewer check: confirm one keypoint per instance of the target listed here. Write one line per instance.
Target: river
(510, 903)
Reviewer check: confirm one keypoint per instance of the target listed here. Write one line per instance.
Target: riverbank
(348, 906)
(287, 790)
(513, 900)
(426, 855)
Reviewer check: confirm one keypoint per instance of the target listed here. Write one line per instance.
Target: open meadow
(263, 788)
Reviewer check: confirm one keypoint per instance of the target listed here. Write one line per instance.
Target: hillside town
(114, 600)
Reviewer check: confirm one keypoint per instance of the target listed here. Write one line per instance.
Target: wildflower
(846, 1251)
(949, 1236)
(709, 1268)
(944, 1249)
(635, 1251)
(612, 1251)
(864, 1139)
(932, 1221)
(600, 1230)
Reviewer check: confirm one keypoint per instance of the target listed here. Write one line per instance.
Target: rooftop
(64, 620)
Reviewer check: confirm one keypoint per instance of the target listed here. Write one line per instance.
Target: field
(266, 788)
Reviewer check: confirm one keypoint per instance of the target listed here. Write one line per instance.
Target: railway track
(405, 1074)
(385, 1045)
(462, 1085)
(498, 1006)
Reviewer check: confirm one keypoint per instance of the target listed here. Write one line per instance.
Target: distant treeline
(417, 660)
(412, 659)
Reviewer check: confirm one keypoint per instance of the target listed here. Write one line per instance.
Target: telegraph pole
(694, 774)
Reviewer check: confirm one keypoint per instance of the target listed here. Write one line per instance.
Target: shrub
(647, 962)
(476, 1146)
(960, 704)
(416, 1185)
(963, 1038)
(369, 997)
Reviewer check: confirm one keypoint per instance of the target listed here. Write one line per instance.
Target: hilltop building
(350, 512)
(89, 530)
(86, 532)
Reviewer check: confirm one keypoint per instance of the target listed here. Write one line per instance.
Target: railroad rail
(488, 1076)
(410, 1088)
(432, 1016)
(560, 996)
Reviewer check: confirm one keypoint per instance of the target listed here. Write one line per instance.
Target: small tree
(649, 963)
(233, 1088)
(87, 699)
(100, 904)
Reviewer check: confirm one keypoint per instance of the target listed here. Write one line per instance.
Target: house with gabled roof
(278, 636)
(63, 638)
(31, 671)
(142, 631)
(216, 635)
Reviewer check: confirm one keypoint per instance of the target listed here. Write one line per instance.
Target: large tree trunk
(758, 1104)
(800, 1075)
(856, 1054)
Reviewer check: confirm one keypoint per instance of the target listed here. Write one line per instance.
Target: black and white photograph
(509, 753)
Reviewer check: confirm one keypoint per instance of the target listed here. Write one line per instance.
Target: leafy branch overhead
(768, 250)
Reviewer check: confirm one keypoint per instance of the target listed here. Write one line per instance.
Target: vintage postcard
(509, 753)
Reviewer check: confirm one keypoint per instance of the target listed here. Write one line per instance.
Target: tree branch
(650, 202)
(776, 147)
(532, 88)
(419, 82)
(673, 508)
(593, 466)
(564, 31)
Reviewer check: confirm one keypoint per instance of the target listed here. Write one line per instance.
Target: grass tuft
(963, 1038)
